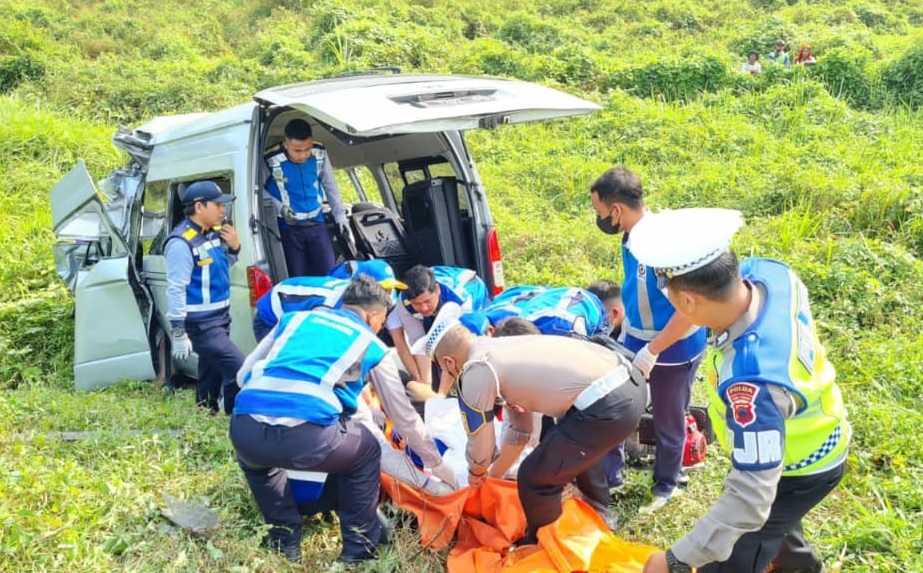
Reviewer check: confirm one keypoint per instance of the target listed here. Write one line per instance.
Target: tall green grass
(824, 162)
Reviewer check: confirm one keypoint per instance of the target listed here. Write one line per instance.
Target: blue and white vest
(462, 286)
(298, 294)
(315, 369)
(208, 294)
(647, 311)
(297, 185)
(562, 310)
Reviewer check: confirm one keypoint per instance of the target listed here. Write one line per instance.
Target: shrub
(531, 33)
(902, 80)
(681, 79)
(17, 69)
(844, 73)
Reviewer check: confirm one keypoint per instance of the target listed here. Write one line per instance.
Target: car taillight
(259, 284)
(495, 259)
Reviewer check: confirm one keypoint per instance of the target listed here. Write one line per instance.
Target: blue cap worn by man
(198, 254)
(774, 399)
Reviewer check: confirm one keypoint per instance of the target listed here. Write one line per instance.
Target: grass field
(824, 162)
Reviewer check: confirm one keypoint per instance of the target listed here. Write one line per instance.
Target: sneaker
(682, 480)
(658, 502)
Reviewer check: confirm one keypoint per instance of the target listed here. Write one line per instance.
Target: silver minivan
(396, 140)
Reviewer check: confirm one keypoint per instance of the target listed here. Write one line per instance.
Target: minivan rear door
(95, 259)
(368, 106)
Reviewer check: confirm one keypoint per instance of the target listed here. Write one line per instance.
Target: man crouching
(587, 388)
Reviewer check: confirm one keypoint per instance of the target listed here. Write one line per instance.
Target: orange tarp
(489, 518)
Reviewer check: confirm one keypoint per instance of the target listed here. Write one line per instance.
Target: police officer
(774, 399)
(668, 348)
(428, 289)
(305, 293)
(586, 387)
(294, 412)
(198, 253)
(300, 178)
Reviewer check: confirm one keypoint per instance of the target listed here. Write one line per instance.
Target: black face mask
(605, 225)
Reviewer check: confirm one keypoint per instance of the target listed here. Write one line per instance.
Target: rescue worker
(775, 404)
(199, 253)
(428, 289)
(554, 310)
(610, 295)
(295, 413)
(586, 387)
(306, 293)
(668, 348)
(301, 177)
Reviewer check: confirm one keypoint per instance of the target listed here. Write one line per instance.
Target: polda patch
(741, 396)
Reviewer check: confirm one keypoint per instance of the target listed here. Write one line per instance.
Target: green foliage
(822, 160)
(903, 78)
(680, 79)
(18, 69)
(844, 72)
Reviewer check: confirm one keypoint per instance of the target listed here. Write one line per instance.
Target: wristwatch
(675, 565)
(177, 331)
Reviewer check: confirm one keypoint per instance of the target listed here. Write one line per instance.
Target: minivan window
(154, 216)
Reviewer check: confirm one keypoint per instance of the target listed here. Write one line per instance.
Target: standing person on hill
(752, 66)
(199, 253)
(300, 178)
(668, 348)
(805, 57)
(779, 55)
(774, 401)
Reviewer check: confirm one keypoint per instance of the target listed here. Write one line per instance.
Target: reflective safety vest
(647, 311)
(300, 293)
(509, 303)
(315, 369)
(297, 185)
(561, 311)
(208, 293)
(461, 286)
(780, 347)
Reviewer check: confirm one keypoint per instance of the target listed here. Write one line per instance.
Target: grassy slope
(831, 187)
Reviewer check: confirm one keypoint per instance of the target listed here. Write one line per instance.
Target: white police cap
(447, 318)
(681, 241)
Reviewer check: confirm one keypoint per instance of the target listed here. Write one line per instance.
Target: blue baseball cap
(381, 271)
(205, 191)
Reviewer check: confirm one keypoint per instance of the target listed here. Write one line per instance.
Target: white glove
(288, 215)
(645, 361)
(181, 346)
(345, 232)
(444, 473)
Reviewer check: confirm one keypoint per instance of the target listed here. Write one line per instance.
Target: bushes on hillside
(903, 79)
(678, 79)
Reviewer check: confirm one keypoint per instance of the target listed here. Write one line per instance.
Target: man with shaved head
(587, 388)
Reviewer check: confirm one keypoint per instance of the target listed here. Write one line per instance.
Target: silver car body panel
(111, 337)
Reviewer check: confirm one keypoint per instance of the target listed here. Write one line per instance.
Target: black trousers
(308, 249)
(573, 449)
(346, 450)
(219, 361)
(781, 539)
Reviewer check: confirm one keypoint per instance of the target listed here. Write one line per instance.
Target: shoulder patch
(189, 234)
(742, 397)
